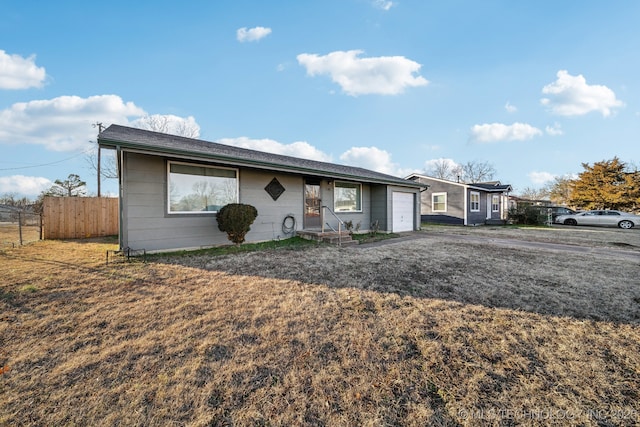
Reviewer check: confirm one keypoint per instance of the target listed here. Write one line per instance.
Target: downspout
(119, 161)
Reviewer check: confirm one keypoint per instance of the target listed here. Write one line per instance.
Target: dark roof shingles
(172, 144)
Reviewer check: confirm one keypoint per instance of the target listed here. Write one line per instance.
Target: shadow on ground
(579, 284)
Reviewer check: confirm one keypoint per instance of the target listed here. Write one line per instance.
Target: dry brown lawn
(10, 234)
(443, 330)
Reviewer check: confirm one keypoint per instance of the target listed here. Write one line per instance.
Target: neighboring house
(171, 188)
(450, 202)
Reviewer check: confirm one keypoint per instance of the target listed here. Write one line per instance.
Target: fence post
(20, 226)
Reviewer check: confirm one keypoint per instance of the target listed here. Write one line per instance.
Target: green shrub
(235, 219)
(527, 214)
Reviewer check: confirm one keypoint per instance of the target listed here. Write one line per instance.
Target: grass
(373, 237)
(434, 331)
(10, 234)
(292, 243)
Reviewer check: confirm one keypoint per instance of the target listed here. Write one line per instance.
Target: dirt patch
(424, 332)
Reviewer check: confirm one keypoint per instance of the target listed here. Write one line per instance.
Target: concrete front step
(332, 237)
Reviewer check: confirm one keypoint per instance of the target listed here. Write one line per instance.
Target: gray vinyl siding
(271, 213)
(475, 218)
(416, 205)
(486, 213)
(362, 218)
(147, 225)
(380, 207)
(455, 213)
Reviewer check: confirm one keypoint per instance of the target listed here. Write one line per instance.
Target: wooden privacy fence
(79, 217)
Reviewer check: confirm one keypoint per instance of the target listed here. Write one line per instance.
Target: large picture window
(197, 188)
(347, 197)
(439, 202)
(474, 201)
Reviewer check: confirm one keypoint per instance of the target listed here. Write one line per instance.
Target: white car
(604, 218)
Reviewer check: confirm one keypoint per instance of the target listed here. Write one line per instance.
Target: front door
(312, 204)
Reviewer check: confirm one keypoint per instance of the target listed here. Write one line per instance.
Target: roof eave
(185, 154)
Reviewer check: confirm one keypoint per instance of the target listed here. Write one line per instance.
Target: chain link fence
(19, 227)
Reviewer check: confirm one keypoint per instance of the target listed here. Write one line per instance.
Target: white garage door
(403, 212)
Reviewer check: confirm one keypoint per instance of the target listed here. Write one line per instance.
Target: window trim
(433, 202)
(473, 203)
(495, 203)
(358, 203)
(199, 165)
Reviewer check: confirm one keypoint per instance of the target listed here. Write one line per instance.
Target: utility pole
(99, 126)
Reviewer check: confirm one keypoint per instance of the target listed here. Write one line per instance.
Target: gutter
(134, 148)
(119, 159)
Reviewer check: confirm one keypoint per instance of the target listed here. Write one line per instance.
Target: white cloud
(384, 75)
(252, 34)
(366, 157)
(300, 149)
(375, 159)
(63, 123)
(541, 177)
(17, 72)
(382, 4)
(572, 96)
(510, 108)
(24, 185)
(554, 130)
(495, 132)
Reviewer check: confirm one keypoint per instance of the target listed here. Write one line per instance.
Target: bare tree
(188, 129)
(108, 165)
(530, 193)
(560, 190)
(166, 123)
(470, 172)
(156, 123)
(476, 171)
(444, 169)
(170, 124)
(11, 199)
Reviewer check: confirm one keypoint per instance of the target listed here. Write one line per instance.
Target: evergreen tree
(73, 186)
(606, 185)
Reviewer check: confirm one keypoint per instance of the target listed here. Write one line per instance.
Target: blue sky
(535, 88)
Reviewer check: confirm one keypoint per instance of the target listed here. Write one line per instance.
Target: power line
(46, 164)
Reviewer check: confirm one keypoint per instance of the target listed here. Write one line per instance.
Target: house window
(347, 197)
(198, 188)
(495, 203)
(439, 202)
(474, 205)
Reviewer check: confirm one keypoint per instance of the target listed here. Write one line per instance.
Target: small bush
(348, 225)
(235, 219)
(375, 227)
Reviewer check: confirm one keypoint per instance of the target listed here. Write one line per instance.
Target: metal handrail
(340, 223)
